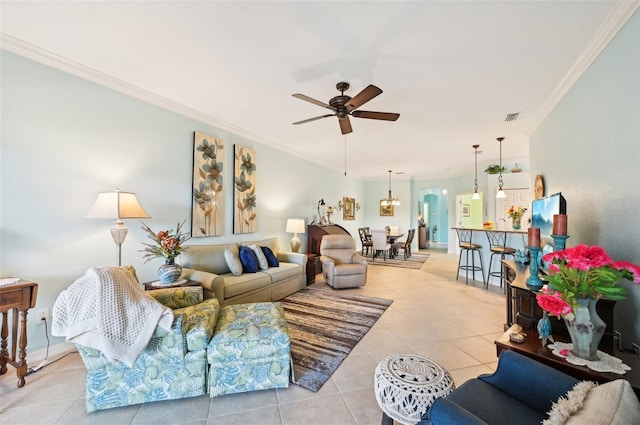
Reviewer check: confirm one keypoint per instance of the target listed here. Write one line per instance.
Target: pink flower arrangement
(583, 271)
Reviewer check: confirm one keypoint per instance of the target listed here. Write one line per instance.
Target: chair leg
(459, 262)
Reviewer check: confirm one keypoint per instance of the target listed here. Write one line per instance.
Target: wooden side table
(533, 348)
(19, 297)
(311, 268)
(148, 286)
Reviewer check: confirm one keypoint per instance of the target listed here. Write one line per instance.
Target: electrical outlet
(43, 314)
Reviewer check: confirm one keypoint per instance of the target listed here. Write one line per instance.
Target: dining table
(392, 238)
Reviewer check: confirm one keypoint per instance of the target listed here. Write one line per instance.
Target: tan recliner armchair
(342, 266)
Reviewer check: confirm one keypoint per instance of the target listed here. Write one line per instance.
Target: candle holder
(533, 281)
(559, 242)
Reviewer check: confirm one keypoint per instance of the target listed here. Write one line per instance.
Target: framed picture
(386, 210)
(206, 193)
(348, 208)
(244, 192)
(466, 210)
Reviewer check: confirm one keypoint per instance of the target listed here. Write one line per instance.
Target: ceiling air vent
(512, 117)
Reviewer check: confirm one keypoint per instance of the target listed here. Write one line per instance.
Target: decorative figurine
(544, 329)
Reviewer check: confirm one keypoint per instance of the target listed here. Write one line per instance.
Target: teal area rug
(414, 262)
(324, 326)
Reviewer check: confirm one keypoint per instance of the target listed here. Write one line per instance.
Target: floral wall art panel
(244, 182)
(207, 199)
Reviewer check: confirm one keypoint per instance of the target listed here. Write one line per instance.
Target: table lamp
(118, 205)
(295, 226)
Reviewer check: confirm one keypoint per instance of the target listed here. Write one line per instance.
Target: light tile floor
(432, 315)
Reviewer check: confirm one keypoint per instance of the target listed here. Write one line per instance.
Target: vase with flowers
(167, 244)
(516, 213)
(578, 277)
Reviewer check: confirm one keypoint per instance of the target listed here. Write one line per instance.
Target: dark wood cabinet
(316, 232)
(523, 310)
(312, 260)
(423, 237)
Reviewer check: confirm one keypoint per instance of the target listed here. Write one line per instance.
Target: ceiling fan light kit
(344, 106)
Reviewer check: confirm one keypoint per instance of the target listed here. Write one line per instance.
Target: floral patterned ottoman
(249, 350)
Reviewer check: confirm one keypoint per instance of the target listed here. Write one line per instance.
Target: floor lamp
(118, 205)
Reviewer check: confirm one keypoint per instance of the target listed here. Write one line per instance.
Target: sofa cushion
(612, 403)
(232, 257)
(239, 285)
(272, 261)
(262, 260)
(285, 271)
(248, 259)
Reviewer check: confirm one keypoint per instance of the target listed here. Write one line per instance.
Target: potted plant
(495, 169)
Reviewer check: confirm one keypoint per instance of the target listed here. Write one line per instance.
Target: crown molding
(36, 54)
(619, 16)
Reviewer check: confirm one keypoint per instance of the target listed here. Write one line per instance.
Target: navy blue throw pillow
(271, 258)
(248, 259)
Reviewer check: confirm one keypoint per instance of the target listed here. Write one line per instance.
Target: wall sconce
(357, 206)
(340, 205)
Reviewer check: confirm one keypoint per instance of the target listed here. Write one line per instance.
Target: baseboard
(55, 351)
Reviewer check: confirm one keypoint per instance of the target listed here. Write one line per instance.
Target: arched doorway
(433, 204)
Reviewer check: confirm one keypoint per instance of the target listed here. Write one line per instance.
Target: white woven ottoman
(406, 385)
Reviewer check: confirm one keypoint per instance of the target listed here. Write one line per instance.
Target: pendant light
(390, 199)
(476, 195)
(500, 193)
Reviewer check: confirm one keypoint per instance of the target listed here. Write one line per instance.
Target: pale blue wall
(65, 139)
(588, 148)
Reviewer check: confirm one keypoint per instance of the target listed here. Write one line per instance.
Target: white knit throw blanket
(106, 309)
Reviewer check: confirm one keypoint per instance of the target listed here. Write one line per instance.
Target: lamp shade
(117, 205)
(295, 225)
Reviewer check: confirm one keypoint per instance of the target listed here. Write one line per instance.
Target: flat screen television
(543, 210)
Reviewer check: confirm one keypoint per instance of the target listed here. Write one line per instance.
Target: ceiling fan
(344, 105)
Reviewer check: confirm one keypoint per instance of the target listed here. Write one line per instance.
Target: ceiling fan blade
(345, 125)
(315, 102)
(313, 119)
(363, 97)
(387, 116)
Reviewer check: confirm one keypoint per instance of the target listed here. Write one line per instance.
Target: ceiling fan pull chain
(345, 154)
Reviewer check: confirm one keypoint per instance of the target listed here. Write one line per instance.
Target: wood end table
(18, 296)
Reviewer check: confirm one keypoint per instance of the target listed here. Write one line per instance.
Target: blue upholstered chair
(172, 366)
(521, 391)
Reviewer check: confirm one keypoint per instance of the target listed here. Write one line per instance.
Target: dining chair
(365, 239)
(404, 245)
(380, 243)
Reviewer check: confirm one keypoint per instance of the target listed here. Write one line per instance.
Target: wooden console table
(19, 297)
(533, 348)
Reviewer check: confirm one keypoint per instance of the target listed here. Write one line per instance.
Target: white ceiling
(452, 69)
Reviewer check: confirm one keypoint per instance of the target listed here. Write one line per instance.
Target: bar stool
(498, 246)
(466, 248)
